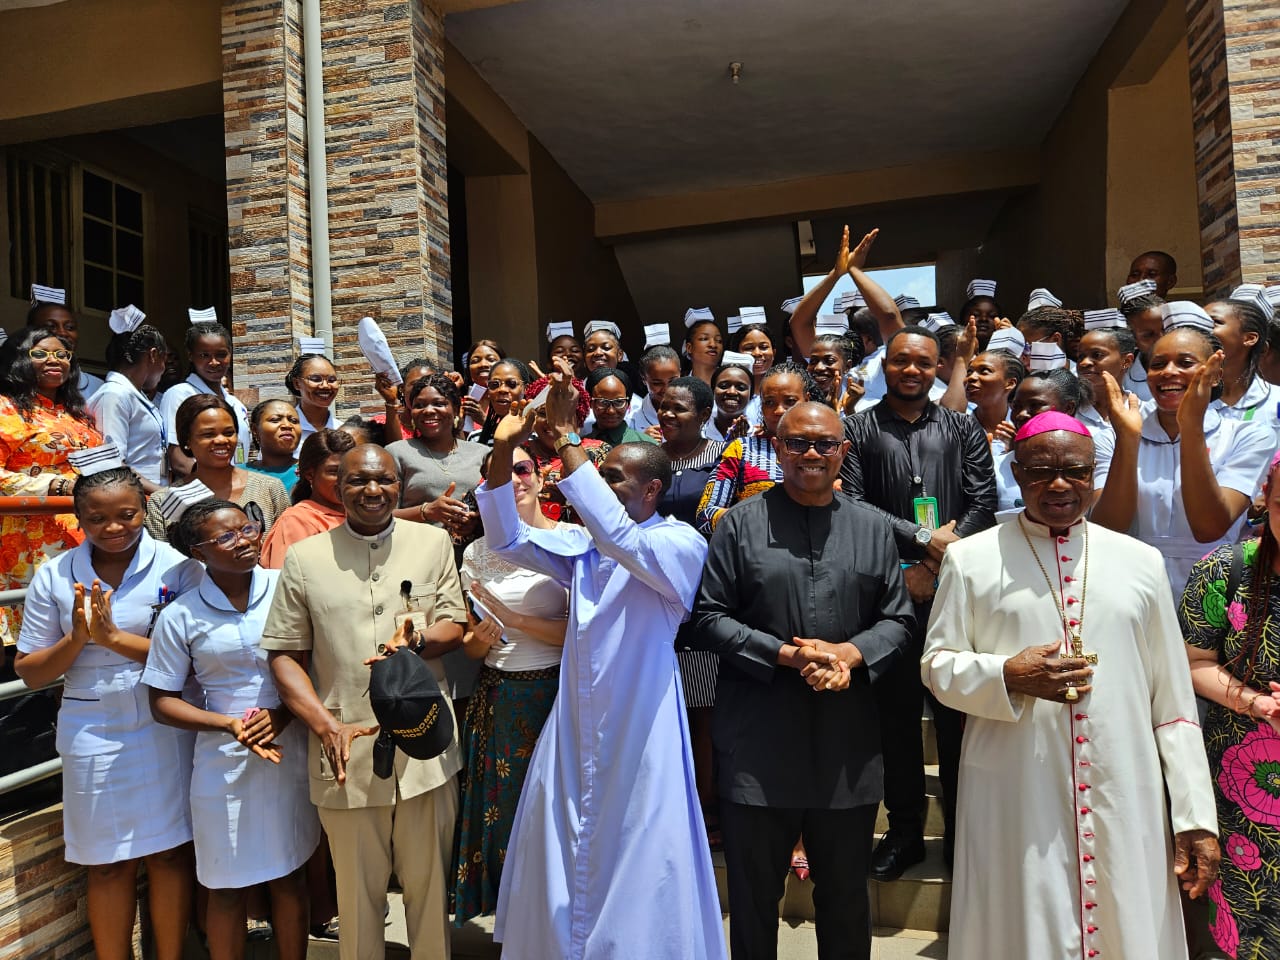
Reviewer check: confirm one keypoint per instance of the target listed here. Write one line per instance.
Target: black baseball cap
(411, 710)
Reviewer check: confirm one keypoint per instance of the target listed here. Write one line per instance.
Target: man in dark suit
(803, 599)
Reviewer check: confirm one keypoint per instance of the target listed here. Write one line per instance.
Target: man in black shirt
(803, 599)
(929, 471)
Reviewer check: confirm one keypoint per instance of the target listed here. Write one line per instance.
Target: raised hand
(562, 398)
(517, 426)
(842, 255)
(387, 390)
(1124, 410)
(1195, 402)
(858, 258)
(967, 342)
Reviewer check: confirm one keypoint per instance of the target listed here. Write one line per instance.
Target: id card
(926, 511)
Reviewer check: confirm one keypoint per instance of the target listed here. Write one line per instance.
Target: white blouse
(524, 591)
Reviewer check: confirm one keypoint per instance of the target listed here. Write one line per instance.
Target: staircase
(910, 915)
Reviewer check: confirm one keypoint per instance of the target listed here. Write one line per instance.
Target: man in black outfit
(803, 599)
(929, 471)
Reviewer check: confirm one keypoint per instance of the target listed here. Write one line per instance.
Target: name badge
(926, 512)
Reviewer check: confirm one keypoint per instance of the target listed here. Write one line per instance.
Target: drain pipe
(317, 175)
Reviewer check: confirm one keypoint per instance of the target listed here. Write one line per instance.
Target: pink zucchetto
(1048, 421)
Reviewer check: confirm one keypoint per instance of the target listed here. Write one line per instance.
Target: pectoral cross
(1077, 649)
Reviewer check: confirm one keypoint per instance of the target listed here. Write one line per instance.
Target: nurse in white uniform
(1140, 306)
(124, 777)
(209, 350)
(1113, 350)
(1241, 327)
(250, 809)
(1195, 471)
(122, 410)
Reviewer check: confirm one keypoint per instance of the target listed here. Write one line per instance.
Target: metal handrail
(17, 688)
(9, 506)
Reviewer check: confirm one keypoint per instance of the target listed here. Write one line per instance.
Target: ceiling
(634, 99)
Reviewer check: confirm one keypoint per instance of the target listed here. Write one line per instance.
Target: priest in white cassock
(608, 854)
(1085, 795)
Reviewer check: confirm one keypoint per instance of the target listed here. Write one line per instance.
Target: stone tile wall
(387, 185)
(1235, 91)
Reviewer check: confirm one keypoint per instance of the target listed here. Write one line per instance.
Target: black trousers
(900, 697)
(757, 853)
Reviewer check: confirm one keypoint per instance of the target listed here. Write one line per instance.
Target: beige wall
(104, 52)
(1151, 183)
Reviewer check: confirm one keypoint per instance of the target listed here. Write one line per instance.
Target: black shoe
(894, 854)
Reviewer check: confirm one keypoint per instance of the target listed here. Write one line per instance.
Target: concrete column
(387, 184)
(1235, 93)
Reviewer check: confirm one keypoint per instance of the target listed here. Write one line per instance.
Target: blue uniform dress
(124, 777)
(608, 854)
(252, 819)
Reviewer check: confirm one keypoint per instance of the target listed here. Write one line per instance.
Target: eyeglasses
(604, 404)
(1076, 473)
(39, 353)
(524, 469)
(316, 380)
(511, 384)
(799, 446)
(250, 531)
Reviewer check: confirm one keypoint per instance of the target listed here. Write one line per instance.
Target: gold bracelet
(1248, 708)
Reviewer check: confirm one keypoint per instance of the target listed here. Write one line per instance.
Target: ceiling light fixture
(735, 71)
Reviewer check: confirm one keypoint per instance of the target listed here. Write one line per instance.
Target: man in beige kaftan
(1067, 847)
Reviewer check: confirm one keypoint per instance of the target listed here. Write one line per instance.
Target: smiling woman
(208, 435)
(42, 420)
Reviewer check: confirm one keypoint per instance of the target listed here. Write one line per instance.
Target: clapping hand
(102, 628)
(857, 260)
(1124, 410)
(1195, 402)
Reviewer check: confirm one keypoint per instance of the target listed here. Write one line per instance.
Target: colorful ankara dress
(1244, 757)
(748, 466)
(33, 453)
(551, 499)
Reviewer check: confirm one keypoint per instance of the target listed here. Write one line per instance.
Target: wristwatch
(923, 536)
(570, 439)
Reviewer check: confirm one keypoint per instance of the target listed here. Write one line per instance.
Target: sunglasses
(799, 446)
(603, 404)
(524, 469)
(1077, 473)
(512, 384)
(39, 353)
(250, 531)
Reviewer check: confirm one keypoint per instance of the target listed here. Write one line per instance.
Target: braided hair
(126, 349)
(87, 484)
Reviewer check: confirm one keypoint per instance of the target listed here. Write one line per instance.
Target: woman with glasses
(42, 420)
(507, 379)
(251, 814)
(313, 382)
(548, 460)
(513, 695)
(1182, 475)
(610, 393)
(207, 436)
(209, 350)
(125, 778)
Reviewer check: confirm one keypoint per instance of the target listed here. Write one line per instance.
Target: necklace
(1073, 635)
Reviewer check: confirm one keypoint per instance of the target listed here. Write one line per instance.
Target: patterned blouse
(33, 453)
(748, 466)
(551, 500)
(264, 492)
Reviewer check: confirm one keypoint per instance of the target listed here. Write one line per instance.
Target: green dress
(1244, 759)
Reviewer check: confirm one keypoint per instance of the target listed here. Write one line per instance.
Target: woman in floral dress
(1234, 647)
(42, 420)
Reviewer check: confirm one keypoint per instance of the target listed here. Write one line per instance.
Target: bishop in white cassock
(1059, 639)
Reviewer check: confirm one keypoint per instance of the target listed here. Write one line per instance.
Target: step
(933, 814)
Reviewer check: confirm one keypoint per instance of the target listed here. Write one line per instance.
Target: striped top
(748, 466)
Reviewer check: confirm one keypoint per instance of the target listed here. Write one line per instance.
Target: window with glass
(113, 235)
